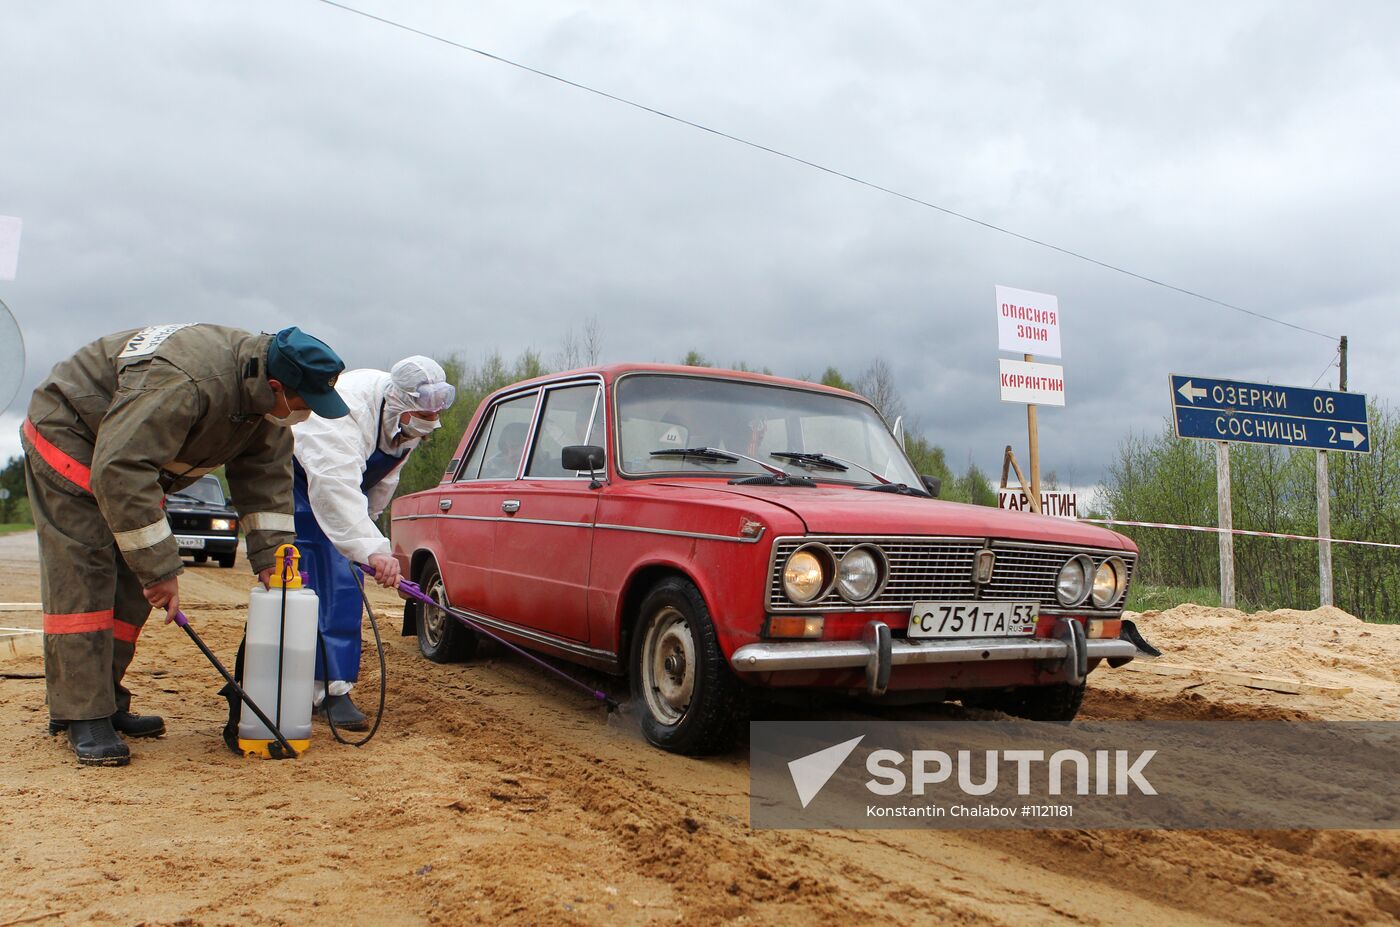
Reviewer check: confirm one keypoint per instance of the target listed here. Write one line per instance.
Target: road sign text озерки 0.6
(1261, 413)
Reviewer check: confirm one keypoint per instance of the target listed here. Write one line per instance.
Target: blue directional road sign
(1261, 413)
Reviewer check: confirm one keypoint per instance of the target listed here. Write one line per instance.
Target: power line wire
(1335, 357)
(824, 169)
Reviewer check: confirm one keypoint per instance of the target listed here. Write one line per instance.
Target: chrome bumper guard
(877, 652)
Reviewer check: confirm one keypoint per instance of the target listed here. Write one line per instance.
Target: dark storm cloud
(267, 164)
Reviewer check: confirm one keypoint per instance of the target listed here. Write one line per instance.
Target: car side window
(568, 414)
(497, 453)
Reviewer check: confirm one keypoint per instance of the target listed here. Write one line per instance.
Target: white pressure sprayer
(279, 662)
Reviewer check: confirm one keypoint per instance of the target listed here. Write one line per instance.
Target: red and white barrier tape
(1255, 534)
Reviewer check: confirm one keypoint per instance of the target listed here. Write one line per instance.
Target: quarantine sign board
(1261, 413)
(1040, 384)
(1028, 322)
(1059, 504)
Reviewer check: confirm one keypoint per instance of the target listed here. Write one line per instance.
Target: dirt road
(494, 795)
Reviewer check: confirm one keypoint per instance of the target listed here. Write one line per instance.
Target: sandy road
(494, 794)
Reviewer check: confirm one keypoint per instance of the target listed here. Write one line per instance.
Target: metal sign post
(1227, 524)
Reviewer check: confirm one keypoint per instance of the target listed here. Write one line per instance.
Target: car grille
(940, 569)
(189, 522)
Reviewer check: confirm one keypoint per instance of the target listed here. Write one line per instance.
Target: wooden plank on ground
(21, 607)
(21, 644)
(1236, 678)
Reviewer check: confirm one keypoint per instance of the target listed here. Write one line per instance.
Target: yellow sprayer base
(263, 749)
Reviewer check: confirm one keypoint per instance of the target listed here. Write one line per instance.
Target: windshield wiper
(715, 454)
(816, 459)
(775, 475)
(703, 453)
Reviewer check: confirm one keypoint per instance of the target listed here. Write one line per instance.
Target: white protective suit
(333, 452)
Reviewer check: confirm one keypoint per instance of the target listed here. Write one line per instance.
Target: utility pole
(1324, 501)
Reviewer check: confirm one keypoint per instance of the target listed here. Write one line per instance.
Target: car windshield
(672, 423)
(207, 490)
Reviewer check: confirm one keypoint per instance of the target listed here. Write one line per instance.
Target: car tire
(688, 699)
(1057, 703)
(226, 560)
(201, 558)
(441, 638)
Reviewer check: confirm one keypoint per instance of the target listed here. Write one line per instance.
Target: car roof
(611, 372)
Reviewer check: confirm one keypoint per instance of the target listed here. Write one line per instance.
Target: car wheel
(226, 560)
(689, 700)
(441, 638)
(201, 558)
(1058, 702)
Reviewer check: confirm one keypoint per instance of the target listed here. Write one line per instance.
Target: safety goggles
(433, 397)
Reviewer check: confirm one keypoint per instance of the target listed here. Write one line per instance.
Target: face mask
(291, 418)
(417, 427)
(287, 421)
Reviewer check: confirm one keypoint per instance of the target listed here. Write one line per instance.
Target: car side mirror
(932, 483)
(588, 457)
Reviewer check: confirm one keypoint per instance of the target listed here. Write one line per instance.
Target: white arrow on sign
(1191, 393)
(1355, 437)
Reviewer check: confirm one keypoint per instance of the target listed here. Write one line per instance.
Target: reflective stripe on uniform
(78, 474)
(269, 521)
(141, 538)
(79, 623)
(125, 632)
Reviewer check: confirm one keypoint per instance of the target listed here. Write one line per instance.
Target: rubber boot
(342, 711)
(138, 725)
(96, 743)
(124, 722)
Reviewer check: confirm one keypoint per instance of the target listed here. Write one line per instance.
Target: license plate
(972, 619)
(189, 543)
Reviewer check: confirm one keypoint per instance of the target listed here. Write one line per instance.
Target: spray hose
(411, 590)
(383, 677)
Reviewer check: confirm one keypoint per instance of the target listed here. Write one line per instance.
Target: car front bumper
(1068, 653)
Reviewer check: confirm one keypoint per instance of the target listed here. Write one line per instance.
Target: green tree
(12, 479)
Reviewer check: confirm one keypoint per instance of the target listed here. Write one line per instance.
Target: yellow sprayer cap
(281, 576)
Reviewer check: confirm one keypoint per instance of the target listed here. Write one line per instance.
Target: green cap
(308, 367)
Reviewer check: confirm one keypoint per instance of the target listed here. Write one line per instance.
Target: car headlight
(223, 524)
(1109, 582)
(1072, 586)
(807, 574)
(859, 573)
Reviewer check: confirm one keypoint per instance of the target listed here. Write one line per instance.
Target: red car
(708, 533)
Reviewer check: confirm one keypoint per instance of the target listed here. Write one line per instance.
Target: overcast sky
(268, 163)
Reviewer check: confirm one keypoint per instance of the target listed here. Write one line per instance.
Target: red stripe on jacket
(77, 473)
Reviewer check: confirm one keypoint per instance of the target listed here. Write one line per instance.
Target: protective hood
(416, 384)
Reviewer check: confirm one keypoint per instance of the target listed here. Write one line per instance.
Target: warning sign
(1041, 384)
(1058, 504)
(1028, 322)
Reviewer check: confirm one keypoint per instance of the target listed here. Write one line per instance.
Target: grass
(1144, 598)
(15, 527)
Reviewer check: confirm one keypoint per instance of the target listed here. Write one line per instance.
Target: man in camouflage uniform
(113, 429)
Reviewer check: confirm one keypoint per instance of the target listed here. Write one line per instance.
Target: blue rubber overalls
(330, 574)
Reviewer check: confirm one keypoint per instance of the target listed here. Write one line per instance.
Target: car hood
(842, 510)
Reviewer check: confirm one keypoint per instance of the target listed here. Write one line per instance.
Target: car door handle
(510, 506)
(444, 504)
